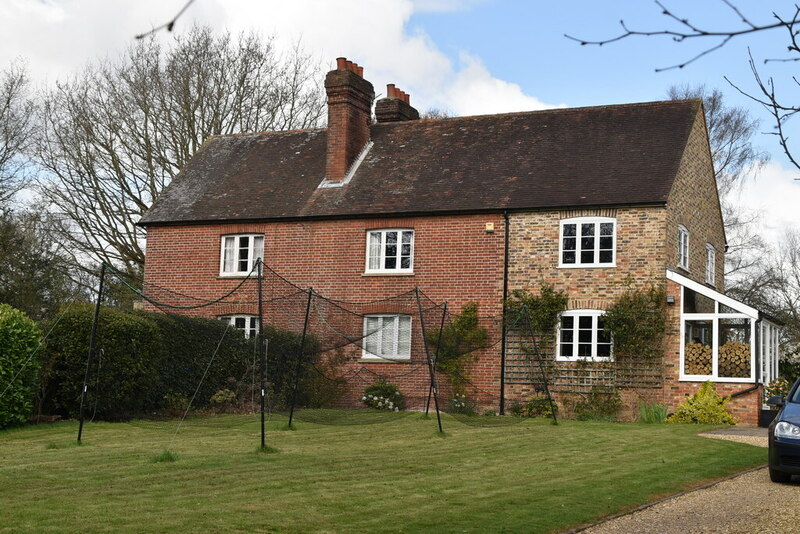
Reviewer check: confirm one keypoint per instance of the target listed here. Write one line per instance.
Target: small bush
(780, 386)
(705, 407)
(538, 406)
(652, 413)
(223, 399)
(460, 404)
(19, 339)
(603, 403)
(383, 396)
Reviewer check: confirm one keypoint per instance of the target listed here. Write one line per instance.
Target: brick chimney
(349, 102)
(395, 107)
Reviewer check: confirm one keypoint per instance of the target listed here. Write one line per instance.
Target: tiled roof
(597, 156)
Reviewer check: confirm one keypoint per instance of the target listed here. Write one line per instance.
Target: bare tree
(16, 129)
(681, 29)
(115, 135)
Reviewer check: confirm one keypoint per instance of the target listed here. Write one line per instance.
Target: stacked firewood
(734, 359)
(697, 359)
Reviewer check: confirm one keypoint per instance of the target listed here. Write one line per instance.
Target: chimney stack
(349, 103)
(395, 107)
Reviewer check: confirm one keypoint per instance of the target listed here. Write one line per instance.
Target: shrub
(780, 386)
(223, 399)
(652, 413)
(457, 341)
(124, 379)
(705, 407)
(538, 406)
(602, 403)
(19, 339)
(383, 396)
(460, 404)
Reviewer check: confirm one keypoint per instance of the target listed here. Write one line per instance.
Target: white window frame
(576, 314)
(578, 222)
(379, 333)
(683, 247)
(381, 257)
(254, 251)
(251, 320)
(711, 264)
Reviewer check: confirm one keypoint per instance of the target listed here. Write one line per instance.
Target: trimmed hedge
(19, 339)
(148, 363)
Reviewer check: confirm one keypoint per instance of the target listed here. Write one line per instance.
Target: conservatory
(722, 339)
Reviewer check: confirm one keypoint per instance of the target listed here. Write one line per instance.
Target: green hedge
(19, 339)
(148, 363)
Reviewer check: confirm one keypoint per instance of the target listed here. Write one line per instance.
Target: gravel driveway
(748, 503)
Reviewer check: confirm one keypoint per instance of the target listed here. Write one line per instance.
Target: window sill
(373, 359)
(408, 273)
(594, 359)
(232, 276)
(586, 265)
(715, 379)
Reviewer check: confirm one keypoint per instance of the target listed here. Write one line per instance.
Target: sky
(465, 56)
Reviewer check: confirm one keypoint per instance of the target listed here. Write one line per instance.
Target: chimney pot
(390, 90)
(361, 71)
(349, 65)
(341, 63)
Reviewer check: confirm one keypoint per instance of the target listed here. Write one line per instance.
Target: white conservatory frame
(764, 335)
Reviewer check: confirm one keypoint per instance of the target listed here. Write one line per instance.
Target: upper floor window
(588, 242)
(387, 337)
(683, 247)
(239, 253)
(582, 335)
(711, 260)
(246, 323)
(390, 251)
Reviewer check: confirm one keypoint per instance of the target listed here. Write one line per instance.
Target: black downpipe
(506, 231)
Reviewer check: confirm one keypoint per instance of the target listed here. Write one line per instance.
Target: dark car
(784, 436)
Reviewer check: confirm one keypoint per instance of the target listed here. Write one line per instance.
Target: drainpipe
(503, 336)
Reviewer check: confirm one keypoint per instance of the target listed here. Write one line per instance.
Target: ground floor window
(246, 323)
(582, 335)
(387, 337)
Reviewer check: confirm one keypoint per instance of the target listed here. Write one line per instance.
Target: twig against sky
(168, 25)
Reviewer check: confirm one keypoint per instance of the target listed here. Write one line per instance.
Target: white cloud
(775, 193)
(58, 37)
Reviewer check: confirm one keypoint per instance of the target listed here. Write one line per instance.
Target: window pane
(566, 350)
(390, 263)
(373, 335)
(603, 350)
(407, 237)
(606, 228)
(587, 243)
(569, 257)
(566, 336)
(374, 250)
(697, 349)
(258, 247)
(587, 256)
(567, 321)
(606, 256)
(734, 348)
(391, 238)
(244, 254)
(405, 262)
(240, 322)
(587, 229)
(569, 230)
(584, 350)
(569, 243)
(404, 337)
(606, 243)
(229, 255)
(389, 333)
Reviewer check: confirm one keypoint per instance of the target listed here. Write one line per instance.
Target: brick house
(591, 200)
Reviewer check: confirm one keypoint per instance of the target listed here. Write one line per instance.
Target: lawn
(395, 476)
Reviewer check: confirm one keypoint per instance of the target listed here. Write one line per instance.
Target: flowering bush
(383, 396)
(779, 386)
(461, 404)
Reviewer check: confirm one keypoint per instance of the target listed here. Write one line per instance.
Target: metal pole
(436, 356)
(431, 368)
(261, 352)
(541, 365)
(300, 357)
(90, 356)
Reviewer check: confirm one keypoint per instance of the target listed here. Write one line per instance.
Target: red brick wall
(455, 261)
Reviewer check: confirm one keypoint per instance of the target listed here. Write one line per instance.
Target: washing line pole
(541, 364)
(262, 359)
(436, 355)
(431, 368)
(300, 357)
(90, 356)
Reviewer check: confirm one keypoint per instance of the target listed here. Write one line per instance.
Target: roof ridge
(268, 132)
(652, 103)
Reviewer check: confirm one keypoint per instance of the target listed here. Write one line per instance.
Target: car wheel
(779, 476)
